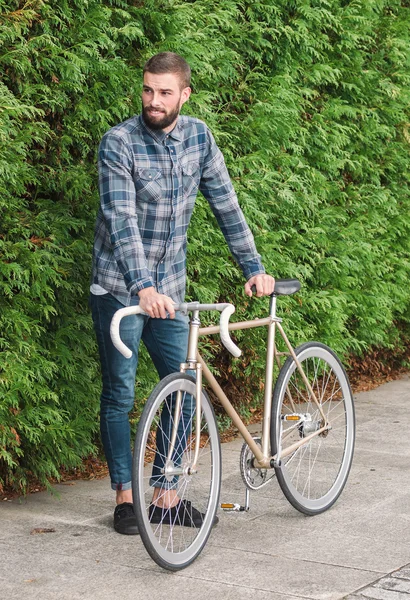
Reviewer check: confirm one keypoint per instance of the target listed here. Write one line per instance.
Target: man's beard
(160, 123)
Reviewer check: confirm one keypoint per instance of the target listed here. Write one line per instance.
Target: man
(150, 169)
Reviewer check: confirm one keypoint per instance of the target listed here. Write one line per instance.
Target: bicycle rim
(171, 545)
(313, 476)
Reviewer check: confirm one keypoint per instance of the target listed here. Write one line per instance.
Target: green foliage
(315, 129)
(68, 74)
(309, 101)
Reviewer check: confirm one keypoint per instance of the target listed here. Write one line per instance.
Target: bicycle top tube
(225, 309)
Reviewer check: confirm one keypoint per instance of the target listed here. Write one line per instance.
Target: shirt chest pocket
(191, 175)
(148, 185)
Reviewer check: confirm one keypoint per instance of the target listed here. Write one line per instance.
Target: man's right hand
(156, 305)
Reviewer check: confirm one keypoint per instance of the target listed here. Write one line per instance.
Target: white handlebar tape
(224, 333)
(136, 310)
(115, 328)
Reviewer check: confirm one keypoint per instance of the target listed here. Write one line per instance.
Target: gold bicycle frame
(196, 362)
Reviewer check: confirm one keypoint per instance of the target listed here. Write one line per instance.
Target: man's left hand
(264, 285)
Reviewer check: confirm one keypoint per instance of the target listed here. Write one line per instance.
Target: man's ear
(186, 92)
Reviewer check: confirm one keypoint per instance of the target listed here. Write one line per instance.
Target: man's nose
(156, 99)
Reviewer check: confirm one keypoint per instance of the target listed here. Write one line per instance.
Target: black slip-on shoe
(125, 520)
(182, 514)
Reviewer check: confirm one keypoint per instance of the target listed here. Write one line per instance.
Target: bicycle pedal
(228, 506)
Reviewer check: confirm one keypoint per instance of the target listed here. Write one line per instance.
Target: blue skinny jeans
(166, 341)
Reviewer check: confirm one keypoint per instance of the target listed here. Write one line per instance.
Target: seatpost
(272, 306)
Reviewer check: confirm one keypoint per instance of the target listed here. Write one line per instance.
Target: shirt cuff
(139, 285)
(252, 267)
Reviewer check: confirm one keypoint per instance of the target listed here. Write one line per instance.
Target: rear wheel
(170, 543)
(313, 475)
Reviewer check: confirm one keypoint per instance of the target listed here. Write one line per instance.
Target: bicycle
(307, 437)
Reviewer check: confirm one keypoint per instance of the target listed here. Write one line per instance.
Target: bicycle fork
(191, 364)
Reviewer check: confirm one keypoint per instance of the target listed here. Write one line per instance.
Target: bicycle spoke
(313, 475)
(169, 534)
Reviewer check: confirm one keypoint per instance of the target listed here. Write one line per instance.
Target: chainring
(253, 477)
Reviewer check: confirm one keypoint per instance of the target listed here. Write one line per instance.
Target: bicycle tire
(314, 475)
(173, 546)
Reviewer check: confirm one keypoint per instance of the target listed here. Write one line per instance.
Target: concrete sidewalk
(358, 549)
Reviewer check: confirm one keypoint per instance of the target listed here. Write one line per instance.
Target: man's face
(162, 98)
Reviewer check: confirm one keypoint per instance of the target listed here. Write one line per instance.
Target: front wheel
(175, 537)
(313, 473)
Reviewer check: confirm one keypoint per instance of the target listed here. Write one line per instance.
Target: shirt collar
(159, 134)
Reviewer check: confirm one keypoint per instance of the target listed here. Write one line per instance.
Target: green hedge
(309, 101)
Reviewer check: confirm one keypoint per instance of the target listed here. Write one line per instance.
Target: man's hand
(156, 305)
(264, 284)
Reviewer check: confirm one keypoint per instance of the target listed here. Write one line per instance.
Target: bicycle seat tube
(270, 354)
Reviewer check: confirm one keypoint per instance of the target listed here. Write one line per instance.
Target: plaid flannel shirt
(148, 182)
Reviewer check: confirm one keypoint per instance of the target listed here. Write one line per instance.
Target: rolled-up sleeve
(118, 205)
(217, 188)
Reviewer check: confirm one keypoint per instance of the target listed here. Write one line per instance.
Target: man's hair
(169, 62)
